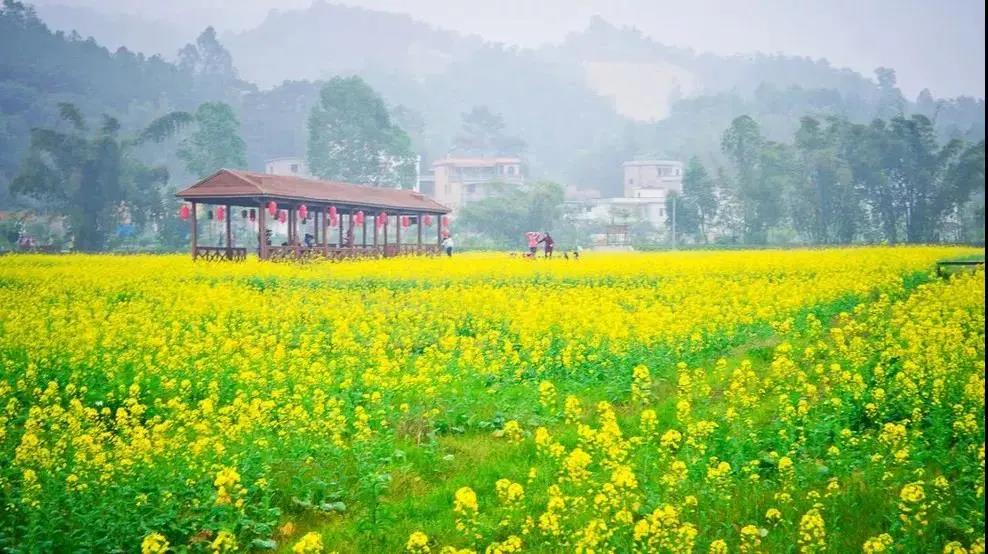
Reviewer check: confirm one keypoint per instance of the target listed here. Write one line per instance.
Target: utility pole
(674, 198)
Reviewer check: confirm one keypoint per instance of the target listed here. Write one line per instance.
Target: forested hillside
(580, 107)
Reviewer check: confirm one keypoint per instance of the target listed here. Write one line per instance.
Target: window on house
(294, 168)
(631, 181)
(471, 188)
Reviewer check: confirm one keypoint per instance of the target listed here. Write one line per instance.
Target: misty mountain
(114, 30)
(327, 39)
(601, 96)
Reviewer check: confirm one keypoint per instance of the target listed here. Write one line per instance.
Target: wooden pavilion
(330, 213)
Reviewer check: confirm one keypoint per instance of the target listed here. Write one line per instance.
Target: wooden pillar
(439, 232)
(194, 231)
(315, 226)
(363, 235)
(339, 224)
(325, 233)
(418, 231)
(398, 232)
(375, 233)
(229, 233)
(291, 226)
(262, 243)
(386, 219)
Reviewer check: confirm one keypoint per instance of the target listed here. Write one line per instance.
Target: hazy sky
(939, 44)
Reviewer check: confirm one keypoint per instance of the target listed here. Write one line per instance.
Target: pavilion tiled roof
(230, 184)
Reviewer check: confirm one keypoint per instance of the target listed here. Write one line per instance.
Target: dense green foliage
(840, 182)
(506, 216)
(91, 176)
(352, 138)
(216, 142)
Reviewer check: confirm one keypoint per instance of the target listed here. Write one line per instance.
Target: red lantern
(404, 221)
(282, 216)
(220, 213)
(272, 208)
(332, 212)
(184, 211)
(334, 220)
(427, 219)
(303, 211)
(445, 221)
(359, 218)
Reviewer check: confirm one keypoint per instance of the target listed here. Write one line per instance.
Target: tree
(216, 142)
(352, 138)
(756, 186)
(682, 215)
(90, 176)
(700, 195)
(890, 100)
(507, 215)
(823, 203)
(928, 180)
(482, 134)
(207, 57)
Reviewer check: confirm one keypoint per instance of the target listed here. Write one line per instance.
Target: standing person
(448, 245)
(549, 244)
(533, 243)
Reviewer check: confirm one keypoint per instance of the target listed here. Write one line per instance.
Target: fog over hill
(582, 100)
(936, 45)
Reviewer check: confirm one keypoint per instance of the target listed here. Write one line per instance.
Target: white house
(647, 185)
(290, 166)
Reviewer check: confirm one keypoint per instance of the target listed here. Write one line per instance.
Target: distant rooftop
(476, 162)
(634, 163)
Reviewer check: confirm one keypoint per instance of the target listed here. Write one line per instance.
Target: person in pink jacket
(533, 242)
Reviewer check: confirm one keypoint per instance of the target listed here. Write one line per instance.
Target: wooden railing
(214, 253)
(330, 252)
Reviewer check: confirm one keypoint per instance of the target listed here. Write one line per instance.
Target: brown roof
(229, 184)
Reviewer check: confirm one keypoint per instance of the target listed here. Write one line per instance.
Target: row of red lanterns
(303, 211)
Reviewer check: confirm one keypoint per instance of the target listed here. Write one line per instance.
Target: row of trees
(93, 175)
(96, 176)
(837, 182)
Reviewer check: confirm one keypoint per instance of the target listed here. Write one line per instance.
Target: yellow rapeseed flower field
(810, 400)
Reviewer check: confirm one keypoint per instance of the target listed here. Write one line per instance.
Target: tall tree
(482, 134)
(757, 194)
(864, 150)
(352, 138)
(215, 143)
(891, 103)
(682, 216)
(822, 198)
(700, 190)
(930, 180)
(90, 176)
(207, 57)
